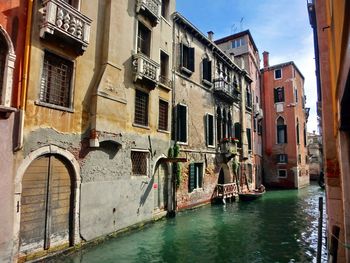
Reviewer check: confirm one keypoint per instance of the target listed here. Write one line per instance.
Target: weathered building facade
(330, 22)
(208, 100)
(314, 147)
(285, 151)
(96, 126)
(242, 48)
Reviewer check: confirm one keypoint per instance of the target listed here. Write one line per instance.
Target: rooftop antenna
(233, 29)
(241, 22)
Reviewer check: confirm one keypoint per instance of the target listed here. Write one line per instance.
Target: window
(255, 123)
(141, 108)
(163, 115)
(210, 129)
(143, 39)
(206, 68)
(187, 58)
(278, 73)
(181, 123)
(165, 9)
(299, 158)
(248, 97)
(139, 162)
(279, 94)
(305, 142)
(282, 173)
(281, 131)
(195, 178)
(249, 138)
(3, 54)
(260, 127)
(238, 133)
(282, 158)
(238, 42)
(296, 95)
(55, 87)
(219, 124)
(164, 69)
(297, 131)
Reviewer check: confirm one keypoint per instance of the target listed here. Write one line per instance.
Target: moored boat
(252, 195)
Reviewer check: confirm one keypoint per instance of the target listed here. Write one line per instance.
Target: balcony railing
(164, 81)
(63, 21)
(226, 190)
(224, 89)
(152, 8)
(228, 147)
(146, 69)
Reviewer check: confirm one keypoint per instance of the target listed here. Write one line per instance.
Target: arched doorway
(161, 187)
(224, 175)
(47, 199)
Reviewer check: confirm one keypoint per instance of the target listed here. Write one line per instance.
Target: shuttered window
(163, 115)
(56, 78)
(249, 138)
(187, 58)
(141, 108)
(238, 134)
(181, 123)
(209, 129)
(206, 66)
(195, 177)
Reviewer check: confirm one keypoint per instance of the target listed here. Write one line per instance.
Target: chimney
(210, 35)
(266, 59)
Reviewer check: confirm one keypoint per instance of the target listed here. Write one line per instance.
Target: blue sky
(280, 27)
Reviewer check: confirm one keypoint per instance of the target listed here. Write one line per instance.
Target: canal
(280, 227)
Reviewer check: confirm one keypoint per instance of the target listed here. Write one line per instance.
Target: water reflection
(280, 227)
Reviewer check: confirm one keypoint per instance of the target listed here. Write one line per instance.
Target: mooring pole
(320, 221)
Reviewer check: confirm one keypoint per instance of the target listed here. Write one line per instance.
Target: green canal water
(280, 227)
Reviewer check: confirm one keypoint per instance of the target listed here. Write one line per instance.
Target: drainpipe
(25, 71)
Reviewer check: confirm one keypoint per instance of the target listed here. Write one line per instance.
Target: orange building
(13, 20)
(331, 27)
(284, 131)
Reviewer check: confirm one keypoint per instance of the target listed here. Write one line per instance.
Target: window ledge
(163, 131)
(7, 109)
(182, 143)
(186, 70)
(53, 106)
(141, 126)
(207, 83)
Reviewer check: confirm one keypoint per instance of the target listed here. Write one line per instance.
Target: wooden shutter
(181, 55)
(182, 123)
(238, 134)
(191, 59)
(191, 178)
(210, 130)
(249, 139)
(207, 69)
(275, 95)
(282, 88)
(285, 133)
(200, 175)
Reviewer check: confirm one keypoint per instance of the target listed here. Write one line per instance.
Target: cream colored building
(96, 126)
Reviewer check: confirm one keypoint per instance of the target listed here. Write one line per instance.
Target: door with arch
(160, 187)
(46, 204)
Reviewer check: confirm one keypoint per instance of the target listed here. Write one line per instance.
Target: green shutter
(200, 175)
(191, 59)
(191, 178)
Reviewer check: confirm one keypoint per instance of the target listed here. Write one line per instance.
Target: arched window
(7, 64)
(281, 131)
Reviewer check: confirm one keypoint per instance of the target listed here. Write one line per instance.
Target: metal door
(46, 204)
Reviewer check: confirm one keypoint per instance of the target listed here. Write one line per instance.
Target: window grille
(56, 78)
(163, 115)
(139, 163)
(141, 108)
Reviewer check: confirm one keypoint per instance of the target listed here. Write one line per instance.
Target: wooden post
(320, 220)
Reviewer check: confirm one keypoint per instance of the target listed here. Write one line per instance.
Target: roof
(179, 18)
(281, 65)
(235, 36)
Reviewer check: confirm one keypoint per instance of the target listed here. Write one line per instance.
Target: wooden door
(46, 204)
(160, 193)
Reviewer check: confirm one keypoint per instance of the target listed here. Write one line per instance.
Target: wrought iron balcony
(151, 8)
(224, 90)
(63, 21)
(146, 69)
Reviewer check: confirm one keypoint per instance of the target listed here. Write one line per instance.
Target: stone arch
(7, 71)
(70, 159)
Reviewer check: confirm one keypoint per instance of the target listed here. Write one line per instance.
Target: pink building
(13, 20)
(284, 130)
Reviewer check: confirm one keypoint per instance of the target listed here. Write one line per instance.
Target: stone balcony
(64, 22)
(224, 90)
(228, 147)
(150, 8)
(146, 70)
